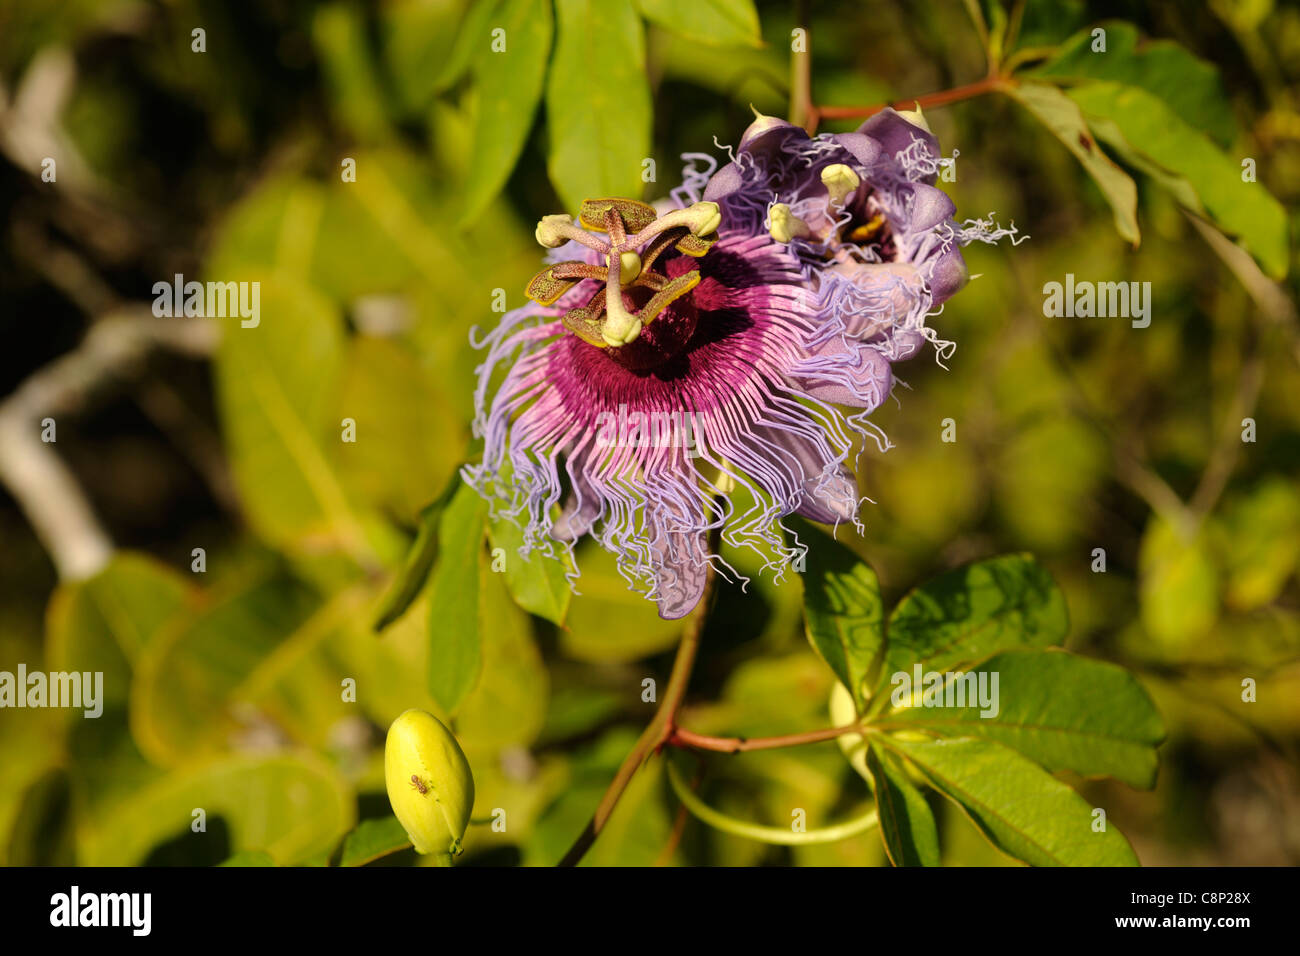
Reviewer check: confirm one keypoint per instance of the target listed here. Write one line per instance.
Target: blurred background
(225, 687)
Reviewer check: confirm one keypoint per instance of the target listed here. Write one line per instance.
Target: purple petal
(896, 135)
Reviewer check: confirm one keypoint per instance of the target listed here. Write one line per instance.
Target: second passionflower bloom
(710, 363)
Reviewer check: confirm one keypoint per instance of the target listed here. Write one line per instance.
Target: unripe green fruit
(429, 782)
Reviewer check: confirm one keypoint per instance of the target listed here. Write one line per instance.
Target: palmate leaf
(1144, 130)
(1188, 85)
(1062, 711)
(843, 613)
(1061, 115)
(906, 823)
(1054, 712)
(1020, 807)
(974, 611)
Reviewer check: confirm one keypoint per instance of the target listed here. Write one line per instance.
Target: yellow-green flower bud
(430, 785)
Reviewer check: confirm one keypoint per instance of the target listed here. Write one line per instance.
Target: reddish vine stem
(681, 737)
(989, 84)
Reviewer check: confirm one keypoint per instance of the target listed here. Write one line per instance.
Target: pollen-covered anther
(701, 220)
(840, 182)
(785, 225)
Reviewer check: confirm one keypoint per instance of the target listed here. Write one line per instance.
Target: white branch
(40, 481)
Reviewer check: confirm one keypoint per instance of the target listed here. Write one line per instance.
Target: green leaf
(44, 828)
(104, 625)
(1154, 134)
(194, 675)
(455, 652)
(1061, 115)
(409, 582)
(373, 839)
(906, 823)
(289, 807)
(473, 41)
(715, 22)
(409, 438)
(1257, 540)
(1178, 585)
(509, 86)
(508, 705)
(416, 34)
(602, 596)
(537, 582)
(1187, 84)
(843, 613)
(598, 102)
(974, 611)
(1021, 808)
(339, 32)
(249, 858)
(635, 833)
(276, 383)
(1062, 711)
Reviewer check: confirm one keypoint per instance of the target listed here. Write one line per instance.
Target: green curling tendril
(753, 831)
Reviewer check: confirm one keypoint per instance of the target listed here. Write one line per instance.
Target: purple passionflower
(710, 363)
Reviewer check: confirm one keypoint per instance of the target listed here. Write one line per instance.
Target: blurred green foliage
(226, 690)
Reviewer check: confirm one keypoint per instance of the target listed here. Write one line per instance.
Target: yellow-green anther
(629, 266)
(785, 225)
(429, 782)
(550, 232)
(840, 181)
